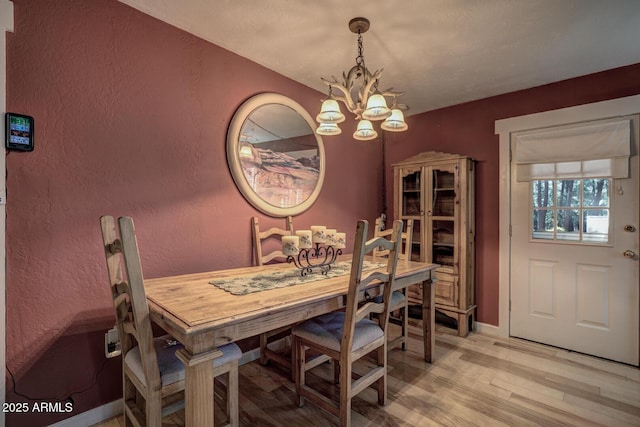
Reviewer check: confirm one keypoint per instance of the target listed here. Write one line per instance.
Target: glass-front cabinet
(436, 190)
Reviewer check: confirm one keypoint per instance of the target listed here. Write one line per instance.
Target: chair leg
(381, 360)
(264, 340)
(153, 408)
(345, 395)
(405, 326)
(299, 357)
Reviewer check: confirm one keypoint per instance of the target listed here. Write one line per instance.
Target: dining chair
(399, 301)
(349, 335)
(273, 237)
(151, 371)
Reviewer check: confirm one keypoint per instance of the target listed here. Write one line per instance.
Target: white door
(571, 284)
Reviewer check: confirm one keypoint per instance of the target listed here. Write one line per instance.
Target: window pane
(542, 193)
(568, 192)
(596, 226)
(568, 225)
(542, 224)
(596, 192)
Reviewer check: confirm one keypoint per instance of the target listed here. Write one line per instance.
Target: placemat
(263, 281)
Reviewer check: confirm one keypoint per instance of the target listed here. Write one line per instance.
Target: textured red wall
(131, 117)
(469, 129)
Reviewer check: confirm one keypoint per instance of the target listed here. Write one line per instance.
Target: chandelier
(360, 94)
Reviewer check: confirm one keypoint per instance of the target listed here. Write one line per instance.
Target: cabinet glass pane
(411, 194)
(416, 247)
(411, 182)
(444, 194)
(442, 243)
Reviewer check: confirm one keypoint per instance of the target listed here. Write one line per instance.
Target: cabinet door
(412, 206)
(443, 215)
(447, 289)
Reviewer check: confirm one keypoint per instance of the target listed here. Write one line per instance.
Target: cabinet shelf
(443, 218)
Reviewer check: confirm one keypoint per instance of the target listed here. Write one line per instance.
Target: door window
(571, 210)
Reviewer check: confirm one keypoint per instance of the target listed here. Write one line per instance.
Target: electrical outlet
(112, 343)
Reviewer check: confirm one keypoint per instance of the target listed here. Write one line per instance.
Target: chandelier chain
(360, 57)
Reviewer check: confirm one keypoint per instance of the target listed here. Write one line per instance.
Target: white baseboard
(487, 329)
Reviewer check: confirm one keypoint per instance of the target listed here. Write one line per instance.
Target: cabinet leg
(463, 328)
(465, 322)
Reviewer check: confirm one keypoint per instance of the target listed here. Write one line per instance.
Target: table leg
(428, 319)
(198, 392)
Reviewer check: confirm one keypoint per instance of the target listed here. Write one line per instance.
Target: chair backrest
(358, 282)
(129, 298)
(271, 235)
(407, 239)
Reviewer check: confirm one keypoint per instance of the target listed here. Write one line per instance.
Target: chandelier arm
(346, 99)
(365, 91)
(390, 92)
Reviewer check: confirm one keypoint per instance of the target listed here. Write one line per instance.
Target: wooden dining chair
(273, 237)
(399, 302)
(349, 335)
(151, 371)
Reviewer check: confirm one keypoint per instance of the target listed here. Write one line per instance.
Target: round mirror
(275, 157)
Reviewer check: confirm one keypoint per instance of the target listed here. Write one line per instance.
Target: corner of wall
(6, 24)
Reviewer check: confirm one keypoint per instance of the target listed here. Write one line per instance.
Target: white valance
(592, 150)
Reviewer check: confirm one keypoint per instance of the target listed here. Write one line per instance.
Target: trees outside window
(571, 210)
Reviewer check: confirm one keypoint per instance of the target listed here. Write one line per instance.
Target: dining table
(202, 314)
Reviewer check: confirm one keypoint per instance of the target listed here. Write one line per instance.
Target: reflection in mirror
(279, 155)
(275, 157)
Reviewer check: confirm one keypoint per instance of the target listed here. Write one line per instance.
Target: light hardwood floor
(475, 381)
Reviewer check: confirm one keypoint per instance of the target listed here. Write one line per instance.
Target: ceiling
(440, 52)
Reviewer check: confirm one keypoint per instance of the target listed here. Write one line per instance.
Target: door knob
(629, 254)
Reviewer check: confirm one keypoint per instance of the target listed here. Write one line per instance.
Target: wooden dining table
(203, 317)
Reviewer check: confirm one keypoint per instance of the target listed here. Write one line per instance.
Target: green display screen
(19, 132)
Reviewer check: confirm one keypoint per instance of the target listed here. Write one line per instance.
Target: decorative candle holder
(315, 257)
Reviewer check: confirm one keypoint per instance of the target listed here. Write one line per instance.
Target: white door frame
(599, 110)
(6, 24)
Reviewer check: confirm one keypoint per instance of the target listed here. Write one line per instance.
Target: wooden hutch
(437, 191)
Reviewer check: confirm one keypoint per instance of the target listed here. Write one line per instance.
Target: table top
(187, 305)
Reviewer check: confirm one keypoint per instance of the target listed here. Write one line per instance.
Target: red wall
(469, 129)
(131, 119)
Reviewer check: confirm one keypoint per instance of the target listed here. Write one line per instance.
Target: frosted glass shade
(328, 129)
(376, 108)
(330, 112)
(395, 122)
(365, 131)
(245, 151)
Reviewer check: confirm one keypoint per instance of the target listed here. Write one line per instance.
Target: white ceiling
(440, 52)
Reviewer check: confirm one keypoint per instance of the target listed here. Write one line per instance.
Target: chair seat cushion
(326, 330)
(172, 368)
(397, 299)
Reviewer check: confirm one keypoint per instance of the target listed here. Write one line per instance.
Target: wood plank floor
(475, 381)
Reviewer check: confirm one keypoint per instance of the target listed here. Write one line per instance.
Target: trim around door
(599, 110)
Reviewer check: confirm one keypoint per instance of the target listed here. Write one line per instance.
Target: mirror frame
(233, 157)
